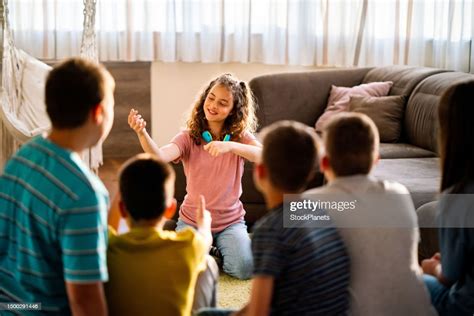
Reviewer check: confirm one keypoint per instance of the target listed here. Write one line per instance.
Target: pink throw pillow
(340, 97)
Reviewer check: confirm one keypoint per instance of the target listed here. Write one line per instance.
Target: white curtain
(435, 33)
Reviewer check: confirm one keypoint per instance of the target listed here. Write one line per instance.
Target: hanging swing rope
(14, 84)
(88, 45)
(93, 157)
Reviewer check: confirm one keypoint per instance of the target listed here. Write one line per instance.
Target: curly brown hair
(241, 119)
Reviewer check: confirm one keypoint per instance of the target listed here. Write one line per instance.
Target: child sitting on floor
(381, 232)
(213, 149)
(450, 273)
(153, 271)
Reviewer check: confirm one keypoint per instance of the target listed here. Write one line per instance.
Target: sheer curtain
(435, 33)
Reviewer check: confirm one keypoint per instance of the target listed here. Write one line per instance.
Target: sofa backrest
(421, 114)
(299, 96)
(404, 78)
(303, 96)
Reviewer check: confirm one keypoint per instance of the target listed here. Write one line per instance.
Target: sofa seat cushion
(421, 176)
(403, 150)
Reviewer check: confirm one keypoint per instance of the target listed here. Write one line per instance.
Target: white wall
(175, 86)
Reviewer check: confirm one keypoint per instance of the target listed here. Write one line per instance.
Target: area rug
(231, 292)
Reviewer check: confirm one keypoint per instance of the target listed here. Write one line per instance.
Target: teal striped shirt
(53, 226)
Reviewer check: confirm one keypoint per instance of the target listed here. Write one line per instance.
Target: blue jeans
(440, 297)
(234, 245)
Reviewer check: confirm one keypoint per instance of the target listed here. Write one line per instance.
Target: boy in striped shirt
(53, 210)
(297, 271)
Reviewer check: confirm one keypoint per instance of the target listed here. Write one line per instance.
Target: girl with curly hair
(212, 149)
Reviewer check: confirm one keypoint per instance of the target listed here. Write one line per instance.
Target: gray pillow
(386, 112)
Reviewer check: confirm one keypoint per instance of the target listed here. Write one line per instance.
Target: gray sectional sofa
(303, 97)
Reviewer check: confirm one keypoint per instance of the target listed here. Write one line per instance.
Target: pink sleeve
(183, 141)
(247, 138)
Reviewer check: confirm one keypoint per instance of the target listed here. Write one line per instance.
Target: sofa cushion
(421, 114)
(339, 99)
(421, 176)
(386, 112)
(299, 96)
(403, 150)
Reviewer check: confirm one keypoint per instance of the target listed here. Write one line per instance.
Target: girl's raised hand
(203, 221)
(203, 216)
(216, 148)
(136, 122)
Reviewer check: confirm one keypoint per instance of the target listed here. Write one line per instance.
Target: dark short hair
(456, 141)
(73, 89)
(351, 140)
(289, 154)
(142, 183)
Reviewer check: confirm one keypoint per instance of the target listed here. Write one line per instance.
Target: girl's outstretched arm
(166, 153)
(251, 151)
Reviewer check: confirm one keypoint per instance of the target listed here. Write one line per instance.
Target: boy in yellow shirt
(153, 271)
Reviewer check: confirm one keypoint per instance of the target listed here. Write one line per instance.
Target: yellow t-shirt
(153, 272)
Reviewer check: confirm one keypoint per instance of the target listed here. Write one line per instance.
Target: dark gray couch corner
(303, 97)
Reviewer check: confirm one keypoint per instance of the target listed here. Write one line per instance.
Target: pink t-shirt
(218, 179)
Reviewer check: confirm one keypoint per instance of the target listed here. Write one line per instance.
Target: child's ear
(97, 113)
(123, 209)
(324, 163)
(376, 160)
(170, 210)
(260, 171)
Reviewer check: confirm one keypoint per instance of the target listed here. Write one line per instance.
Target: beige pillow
(386, 112)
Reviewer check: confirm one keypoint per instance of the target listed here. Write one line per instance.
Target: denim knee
(239, 267)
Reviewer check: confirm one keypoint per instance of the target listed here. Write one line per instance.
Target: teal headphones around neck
(206, 135)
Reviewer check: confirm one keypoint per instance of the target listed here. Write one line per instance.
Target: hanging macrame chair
(23, 77)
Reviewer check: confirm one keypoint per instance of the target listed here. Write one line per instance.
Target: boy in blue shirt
(53, 210)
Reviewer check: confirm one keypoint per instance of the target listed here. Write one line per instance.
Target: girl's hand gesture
(203, 221)
(136, 122)
(203, 216)
(216, 148)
